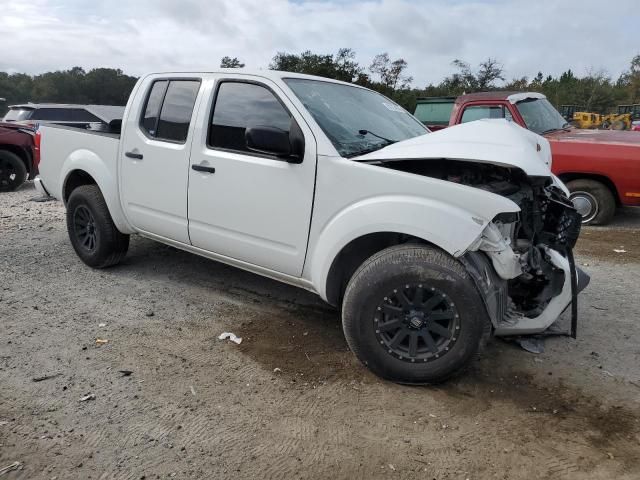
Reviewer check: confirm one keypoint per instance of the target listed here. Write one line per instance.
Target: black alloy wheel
(415, 323)
(84, 227)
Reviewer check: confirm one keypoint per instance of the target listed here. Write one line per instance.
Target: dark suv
(81, 116)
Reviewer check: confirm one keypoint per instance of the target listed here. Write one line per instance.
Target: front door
(244, 205)
(155, 158)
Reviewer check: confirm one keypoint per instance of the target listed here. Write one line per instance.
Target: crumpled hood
(498, 141)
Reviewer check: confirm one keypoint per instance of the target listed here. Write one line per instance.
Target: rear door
(249, 206)
(154, 159)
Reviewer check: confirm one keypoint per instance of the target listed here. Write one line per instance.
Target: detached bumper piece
(579, 281)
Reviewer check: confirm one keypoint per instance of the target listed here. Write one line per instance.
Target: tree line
(595, 91)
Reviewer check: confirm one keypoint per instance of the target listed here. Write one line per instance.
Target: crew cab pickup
(427, 241)
(600, 167)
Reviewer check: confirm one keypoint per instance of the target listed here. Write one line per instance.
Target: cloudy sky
(152, 35)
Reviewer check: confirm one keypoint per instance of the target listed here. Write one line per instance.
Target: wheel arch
(86, 170)
(368, 226)
(353, 255)
(73, 180)
(606, 181)
(22, 154)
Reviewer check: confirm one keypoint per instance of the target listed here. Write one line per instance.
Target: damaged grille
(562, 222)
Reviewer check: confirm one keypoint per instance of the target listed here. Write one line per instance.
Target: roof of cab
(511, 96)
(270, 74)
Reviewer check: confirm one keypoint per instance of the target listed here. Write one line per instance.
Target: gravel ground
(290, 401)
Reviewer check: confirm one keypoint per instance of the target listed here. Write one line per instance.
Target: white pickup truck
(427, 242)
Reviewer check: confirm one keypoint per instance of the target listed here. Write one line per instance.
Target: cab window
(241, 105)
(478, 112)
(169, 108)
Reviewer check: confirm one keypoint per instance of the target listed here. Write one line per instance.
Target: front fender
(440, 223)
(89, 162)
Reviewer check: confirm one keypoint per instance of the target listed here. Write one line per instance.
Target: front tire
(92, 232)
(593, 200)
(13, 171)
(412, 314)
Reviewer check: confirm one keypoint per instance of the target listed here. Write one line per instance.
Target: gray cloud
(148, 35)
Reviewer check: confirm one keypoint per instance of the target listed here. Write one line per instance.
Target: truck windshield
(344, 112)
(540, 116)
(18, 114)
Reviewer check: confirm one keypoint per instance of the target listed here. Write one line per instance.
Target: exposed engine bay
(533, 279)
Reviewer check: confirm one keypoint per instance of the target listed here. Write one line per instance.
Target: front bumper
(494, 292)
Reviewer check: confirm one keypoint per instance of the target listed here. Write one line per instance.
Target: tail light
(36, 149)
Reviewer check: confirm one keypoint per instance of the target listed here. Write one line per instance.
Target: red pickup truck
(601, 168)
(19, 155)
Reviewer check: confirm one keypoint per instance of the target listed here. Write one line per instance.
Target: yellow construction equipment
(610, 121)
(616, 121)
(586, 120)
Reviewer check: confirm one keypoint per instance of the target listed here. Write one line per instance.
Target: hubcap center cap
(416, 319)
(416, 322)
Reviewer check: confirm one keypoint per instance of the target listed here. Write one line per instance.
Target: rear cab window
(169, 108)
(478, 112)
(434, 112)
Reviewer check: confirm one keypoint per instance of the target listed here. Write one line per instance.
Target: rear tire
(13, 171)
(412, 314)
(593, 200)
(92, 232)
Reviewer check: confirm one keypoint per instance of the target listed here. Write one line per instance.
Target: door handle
(137, 156)
(203, 168)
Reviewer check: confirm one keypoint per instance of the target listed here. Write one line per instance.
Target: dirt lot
(197, 407)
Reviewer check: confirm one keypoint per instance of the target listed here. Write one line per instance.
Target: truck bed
(62, 144)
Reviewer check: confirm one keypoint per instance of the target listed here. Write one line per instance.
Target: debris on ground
(45, 377)
(276, 370)
(599, 308)
(619, 250)
(531, 344)
(230, 336)
(193, 390)
(101, 341)
(126, 373)
(88, 397)
(41, 199)
(10, 467)
(150, 313)
(102, 325)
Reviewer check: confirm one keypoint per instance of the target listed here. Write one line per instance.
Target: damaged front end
(523, 263)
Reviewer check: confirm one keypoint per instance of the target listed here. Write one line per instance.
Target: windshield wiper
(566, 127)
(364, 151)
(365, 132)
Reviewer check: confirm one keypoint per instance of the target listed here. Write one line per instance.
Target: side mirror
(275, 141)
(269, 140)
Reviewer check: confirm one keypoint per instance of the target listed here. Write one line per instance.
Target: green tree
(391, 72)
(228, 62)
